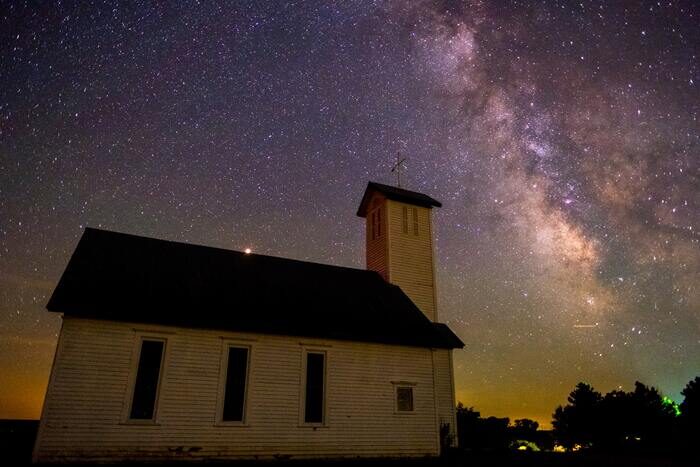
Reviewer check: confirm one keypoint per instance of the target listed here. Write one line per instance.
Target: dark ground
(17, 439)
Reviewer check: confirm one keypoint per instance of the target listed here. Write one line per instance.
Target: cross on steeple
(397, 168)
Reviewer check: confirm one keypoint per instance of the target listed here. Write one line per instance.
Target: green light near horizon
(668, 401)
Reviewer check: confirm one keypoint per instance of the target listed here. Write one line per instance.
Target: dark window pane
(147, 376)
(404, 217)
(415, 221)
(234, 397)
(313, 406)
(404, 399)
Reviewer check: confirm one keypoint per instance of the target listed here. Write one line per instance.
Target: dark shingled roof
(115, 276)
(396, 194)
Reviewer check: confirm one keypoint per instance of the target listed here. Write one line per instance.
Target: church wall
(444, 389)
(86, 407)
(411, 256)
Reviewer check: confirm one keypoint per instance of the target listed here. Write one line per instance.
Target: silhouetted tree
(690, 414)
(653, 416)
(575, 423)
(524, 428)
(495, 433)
(690, 407)
(467, 425)
(638, 420)
(641, 420)
(478, 433)
(614, 412)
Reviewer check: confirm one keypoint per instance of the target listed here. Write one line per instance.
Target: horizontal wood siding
(444, 389)
(87, 402)
(411, 256)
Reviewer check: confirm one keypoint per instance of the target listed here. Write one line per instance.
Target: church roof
(121, 277)
(396, 194)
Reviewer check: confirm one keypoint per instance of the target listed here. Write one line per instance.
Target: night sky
(562, 138)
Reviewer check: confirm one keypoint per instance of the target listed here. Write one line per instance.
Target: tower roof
(396, 194)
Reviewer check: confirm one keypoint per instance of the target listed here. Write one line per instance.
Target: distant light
(248, 251)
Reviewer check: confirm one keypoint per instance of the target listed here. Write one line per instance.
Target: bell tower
(399, 241)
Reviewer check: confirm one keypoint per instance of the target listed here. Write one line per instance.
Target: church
(173, 351)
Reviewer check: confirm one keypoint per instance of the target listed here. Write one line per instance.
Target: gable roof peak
(396, 194)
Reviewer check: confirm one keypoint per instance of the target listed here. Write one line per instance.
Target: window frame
(302, 386)
(404, 385)
(223, 373)
(140, 337)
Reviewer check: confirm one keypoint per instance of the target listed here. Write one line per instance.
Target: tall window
(143, 402)
(404, 218)
(315, 387)
(235, 389)
(376, 223)
(415, 221)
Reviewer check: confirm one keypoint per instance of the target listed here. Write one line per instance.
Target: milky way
(561, 137)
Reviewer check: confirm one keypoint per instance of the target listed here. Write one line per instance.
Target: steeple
(399, 241)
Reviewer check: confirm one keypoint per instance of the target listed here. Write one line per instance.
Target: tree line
(497, 434)
(639, 421)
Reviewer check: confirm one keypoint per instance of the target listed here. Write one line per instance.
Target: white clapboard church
(176, 351)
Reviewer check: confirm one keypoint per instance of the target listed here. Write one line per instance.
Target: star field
(562, 138)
